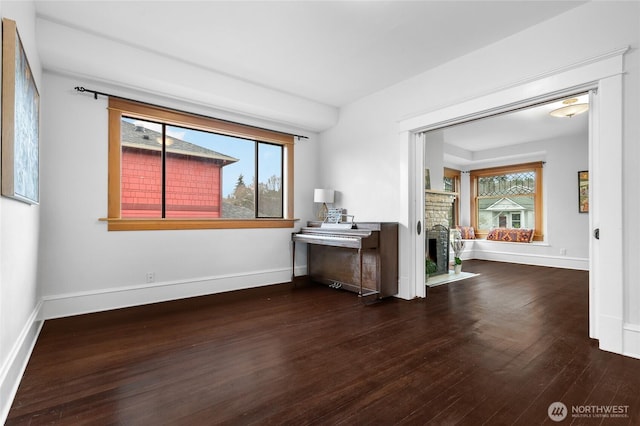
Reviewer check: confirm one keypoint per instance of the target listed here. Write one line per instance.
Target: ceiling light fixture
(570, 109)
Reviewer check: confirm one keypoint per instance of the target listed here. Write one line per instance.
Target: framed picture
(20, 120)
(583, 191)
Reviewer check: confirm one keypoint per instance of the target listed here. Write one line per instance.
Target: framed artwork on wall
(20, 120)
(583, 191)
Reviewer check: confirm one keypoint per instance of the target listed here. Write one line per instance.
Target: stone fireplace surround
(437, 211)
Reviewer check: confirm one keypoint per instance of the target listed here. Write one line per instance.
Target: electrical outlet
(563, 252)
(151, 277)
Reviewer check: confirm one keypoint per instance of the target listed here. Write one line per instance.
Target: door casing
(602, 74)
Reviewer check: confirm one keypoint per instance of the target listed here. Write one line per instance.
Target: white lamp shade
(323, 195)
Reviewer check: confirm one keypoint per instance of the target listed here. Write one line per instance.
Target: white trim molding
(78, 303)
(631, 340)
(531, 91)
(12, 370)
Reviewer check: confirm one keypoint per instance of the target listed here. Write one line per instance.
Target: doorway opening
(603, 74)
(503, 189)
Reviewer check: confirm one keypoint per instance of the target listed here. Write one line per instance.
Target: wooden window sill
(117, 224)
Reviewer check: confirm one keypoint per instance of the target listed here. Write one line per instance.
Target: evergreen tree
(242, 195)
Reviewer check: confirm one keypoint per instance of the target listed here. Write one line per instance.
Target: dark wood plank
(494, 349)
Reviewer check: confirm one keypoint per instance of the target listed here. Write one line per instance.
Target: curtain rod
(97, 93)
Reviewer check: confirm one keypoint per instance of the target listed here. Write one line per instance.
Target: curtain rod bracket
(95, 93)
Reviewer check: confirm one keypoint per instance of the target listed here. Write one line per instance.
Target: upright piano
(363, 259)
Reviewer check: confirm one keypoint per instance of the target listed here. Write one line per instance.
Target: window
(451, 183)
(515, 220)
(174, 170)
(507, 197)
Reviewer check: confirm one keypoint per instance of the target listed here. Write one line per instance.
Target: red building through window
(193, 176)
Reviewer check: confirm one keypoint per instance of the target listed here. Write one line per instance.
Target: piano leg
(293, 263)
(360, 265)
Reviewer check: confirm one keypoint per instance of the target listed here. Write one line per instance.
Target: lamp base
(323, 212)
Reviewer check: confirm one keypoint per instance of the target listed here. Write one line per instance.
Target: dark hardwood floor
(495, 349)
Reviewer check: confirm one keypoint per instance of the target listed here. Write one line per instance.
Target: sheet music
(334, 220)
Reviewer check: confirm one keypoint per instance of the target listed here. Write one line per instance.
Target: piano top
(353, 232)
(351, 238)
(374, 226)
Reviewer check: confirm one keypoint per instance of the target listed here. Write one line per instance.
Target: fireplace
(437, 214)
(437, 248)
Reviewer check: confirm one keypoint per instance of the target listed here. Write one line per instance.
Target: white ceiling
(514, 128)
(331, 52)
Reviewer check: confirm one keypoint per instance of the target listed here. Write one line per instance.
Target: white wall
(19, 226)
(371, 124)
(434, 159)
(85, 268)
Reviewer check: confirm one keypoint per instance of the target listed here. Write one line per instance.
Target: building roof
(237, 212)
(505, 204)
(140, 137)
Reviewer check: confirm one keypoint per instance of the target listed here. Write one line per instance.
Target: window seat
(540, 253)
(500, 244)
(501, 251)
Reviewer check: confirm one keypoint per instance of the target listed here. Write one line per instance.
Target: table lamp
(323, 196)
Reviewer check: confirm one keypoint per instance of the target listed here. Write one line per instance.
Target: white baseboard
(631, 340)
(531, 259)
(404, 292)
(64, 305)
(12, 370)
(610, 335)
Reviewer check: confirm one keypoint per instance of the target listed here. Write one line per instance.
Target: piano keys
(363, 260)
(352, 238)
